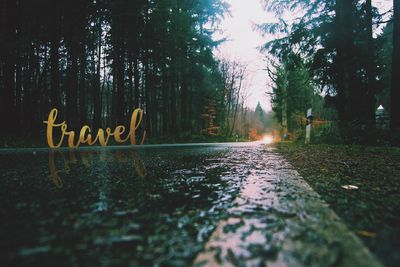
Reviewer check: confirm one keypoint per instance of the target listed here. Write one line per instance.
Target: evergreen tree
(334, 37)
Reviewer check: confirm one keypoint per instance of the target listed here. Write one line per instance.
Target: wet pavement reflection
(236, 204)
(152, 205)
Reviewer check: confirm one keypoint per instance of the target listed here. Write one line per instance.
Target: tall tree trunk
(8, 112)
(370, 90)
(18, 92)
(184, 99)
(120, 88)
(40, 103)
(136, 93)
(130, 83)
(119, 72)
(347, 97)
(114, 101)
(96, 90)
(153, 100)
(54, 59)
(147, 88)
(395, 86)
(72, 84)
(172, 105)
(82, 86)
(29, 89)
(237, 103)
(230, 99)
(165, 98)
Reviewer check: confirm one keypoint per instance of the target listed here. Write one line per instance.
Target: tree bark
(395, 86)
(370, 90)
(82, 86)
(136, 92)
(120, 74)
(72, 83)
(54, 60)
(165, 97)
(237, 101)
(184, 99)
(130, 83)
(172, 106)
(347, 102)
(96, 90)
(8, 112)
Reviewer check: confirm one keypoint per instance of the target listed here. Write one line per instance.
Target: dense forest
(337, 49)
(97, 60)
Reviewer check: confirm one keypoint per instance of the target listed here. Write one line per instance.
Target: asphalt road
(167, 205)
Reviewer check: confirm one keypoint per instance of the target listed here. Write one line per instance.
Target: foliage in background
(292, 91)
(335, 40)
(98, 60)
(95, 61)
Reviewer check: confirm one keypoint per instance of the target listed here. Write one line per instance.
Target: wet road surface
(177, 205)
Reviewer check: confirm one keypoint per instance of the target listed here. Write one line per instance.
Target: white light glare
(267, 139)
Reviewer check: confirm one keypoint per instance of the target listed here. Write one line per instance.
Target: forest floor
(361, 184)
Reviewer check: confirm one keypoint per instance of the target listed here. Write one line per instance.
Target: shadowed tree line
(333, 42)
(97, 60)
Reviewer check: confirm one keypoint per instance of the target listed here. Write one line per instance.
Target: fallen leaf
(350, 187)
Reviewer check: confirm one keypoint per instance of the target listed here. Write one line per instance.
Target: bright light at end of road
(267, 140)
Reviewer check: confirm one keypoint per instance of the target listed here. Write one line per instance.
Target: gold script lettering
(85, 135)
